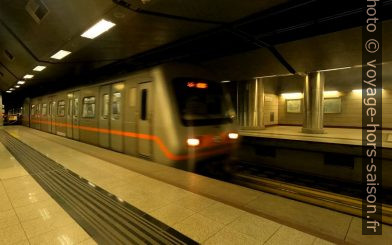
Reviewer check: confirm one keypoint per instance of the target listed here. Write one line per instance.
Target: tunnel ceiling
(149, 32)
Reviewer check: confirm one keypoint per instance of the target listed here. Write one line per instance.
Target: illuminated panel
(331, 94)
(190, 84)
(97, 29)
(202, 85)
(60, 54)
(291, 96)
(39, 68)
(28, 76)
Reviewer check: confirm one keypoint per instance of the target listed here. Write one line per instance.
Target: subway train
(174, 114)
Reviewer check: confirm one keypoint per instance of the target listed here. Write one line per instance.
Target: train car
(173, 114)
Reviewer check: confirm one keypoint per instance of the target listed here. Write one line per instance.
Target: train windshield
(202, 102)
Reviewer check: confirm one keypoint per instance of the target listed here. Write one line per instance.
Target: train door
(75, 115)
(144, 117)
(116, 117)
(69, 114)
(104, 114)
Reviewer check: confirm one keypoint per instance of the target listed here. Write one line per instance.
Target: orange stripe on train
(154, 138)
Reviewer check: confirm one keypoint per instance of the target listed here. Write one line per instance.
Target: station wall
(350, 115)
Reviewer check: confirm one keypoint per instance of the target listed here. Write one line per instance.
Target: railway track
(336, 195)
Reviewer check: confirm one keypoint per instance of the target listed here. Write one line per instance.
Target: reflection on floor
(221, 213)
(349, 136)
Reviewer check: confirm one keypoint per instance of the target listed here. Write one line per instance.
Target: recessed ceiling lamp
(28, 76)
(97, 29)
(60, 54)
(39, 68)
(21, 82)
(12, 89)
(8, 91)
(17, 86)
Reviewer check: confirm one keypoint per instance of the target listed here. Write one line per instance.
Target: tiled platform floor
(349, 136)
(207, 210)
(28, 215)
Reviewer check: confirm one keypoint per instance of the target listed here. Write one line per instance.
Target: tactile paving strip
(107, 219)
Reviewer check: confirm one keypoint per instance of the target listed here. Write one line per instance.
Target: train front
(207, 118)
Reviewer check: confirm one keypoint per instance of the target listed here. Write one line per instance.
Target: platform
(168, 203)
(346, 136)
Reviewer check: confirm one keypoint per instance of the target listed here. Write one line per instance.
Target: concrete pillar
(1, 110)
(256, 104)
(314, 103)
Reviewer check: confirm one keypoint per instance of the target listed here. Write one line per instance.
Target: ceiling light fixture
(8, 91)
(359, 91)
(331, 94)
(39, 68)
(12, 89)
(28, 76)
(292, 96)
(60, 54)
(97, 29)
(17, 86)
(336, 69)
(21, 82)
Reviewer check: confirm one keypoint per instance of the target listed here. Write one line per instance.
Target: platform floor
(206, 210)
(347, 136)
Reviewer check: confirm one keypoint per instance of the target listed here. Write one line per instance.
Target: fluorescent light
(60, 54)
(39, 68)
(8, 91)
(17, 86)
(97, 29)
(292, 95)
(331, 94)
(21, 82)
(12, 89)
(233, 136)
(193, 142)
(359, 91)
(225, 81)
(336, 69)
(28, 76)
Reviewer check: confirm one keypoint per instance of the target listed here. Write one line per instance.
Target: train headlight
(193, 142)
(233, 136)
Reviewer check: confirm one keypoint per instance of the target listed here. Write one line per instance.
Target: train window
(44, 109)
(50, 109)
(201, 102)
(105, 106)
(89, 107)
(61, 108)
(39, 109)
(69, 107)
(132, 97)
(53, 109)
(143, 109)
(76, 107)
(116, 105)
(32, 110)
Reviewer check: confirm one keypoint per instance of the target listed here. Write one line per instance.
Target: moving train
(173, 114)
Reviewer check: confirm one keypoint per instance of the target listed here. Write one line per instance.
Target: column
(256, 104)
(314, 103)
